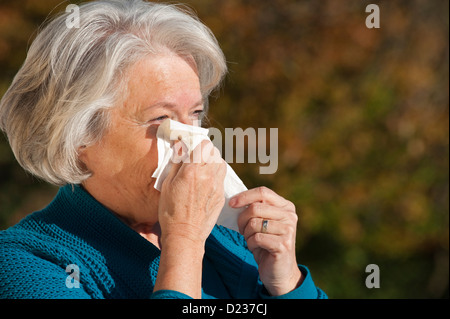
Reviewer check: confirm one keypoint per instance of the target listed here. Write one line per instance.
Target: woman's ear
(81, 150)
(83, 157)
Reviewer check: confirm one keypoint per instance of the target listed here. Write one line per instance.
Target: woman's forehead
(162, 82)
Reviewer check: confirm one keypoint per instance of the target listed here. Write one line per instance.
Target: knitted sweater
(76, 248)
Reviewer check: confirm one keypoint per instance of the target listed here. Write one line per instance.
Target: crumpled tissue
(170, 131)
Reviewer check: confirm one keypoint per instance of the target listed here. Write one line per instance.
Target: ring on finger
(264, 226)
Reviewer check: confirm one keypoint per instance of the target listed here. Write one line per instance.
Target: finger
(222, 170)
(274, 244)
(259, 194)
(216, 175)
(210, 153)
(203, 153)
(211, 159)
(212, 171)
(177, 159)
(265, 211)
(180, 152)
(274, 227)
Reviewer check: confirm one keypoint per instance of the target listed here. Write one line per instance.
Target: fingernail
(232, 202)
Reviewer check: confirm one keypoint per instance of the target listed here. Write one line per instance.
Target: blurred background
(363, 124)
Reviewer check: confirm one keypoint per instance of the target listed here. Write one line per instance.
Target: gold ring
(264, 226)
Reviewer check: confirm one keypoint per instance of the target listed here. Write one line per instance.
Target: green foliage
(363, 129)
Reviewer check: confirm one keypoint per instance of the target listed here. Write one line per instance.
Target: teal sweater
(75, 237)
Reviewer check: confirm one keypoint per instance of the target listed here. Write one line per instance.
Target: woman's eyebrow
(171, 105)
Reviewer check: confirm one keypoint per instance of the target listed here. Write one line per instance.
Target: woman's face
(123, 162)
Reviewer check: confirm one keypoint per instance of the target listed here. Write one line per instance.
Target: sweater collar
(96, 216)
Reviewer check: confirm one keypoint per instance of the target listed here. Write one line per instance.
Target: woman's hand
(273, 246)
(192, 197)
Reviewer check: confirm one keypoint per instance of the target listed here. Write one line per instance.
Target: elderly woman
(82, 113)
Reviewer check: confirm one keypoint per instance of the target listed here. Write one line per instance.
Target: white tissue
(170, 131)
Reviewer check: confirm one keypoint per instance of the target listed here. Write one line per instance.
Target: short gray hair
(59, 99)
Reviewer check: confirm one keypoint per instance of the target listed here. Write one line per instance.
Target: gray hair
(59, 99)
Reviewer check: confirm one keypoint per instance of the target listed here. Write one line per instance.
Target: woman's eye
(161, 118)
(198, 113)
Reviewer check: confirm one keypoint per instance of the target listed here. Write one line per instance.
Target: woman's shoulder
(18, 244)
(39, 238)
(37, 260)
(21, 235)
(33, 267)
(28, 238)
(32, 230)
